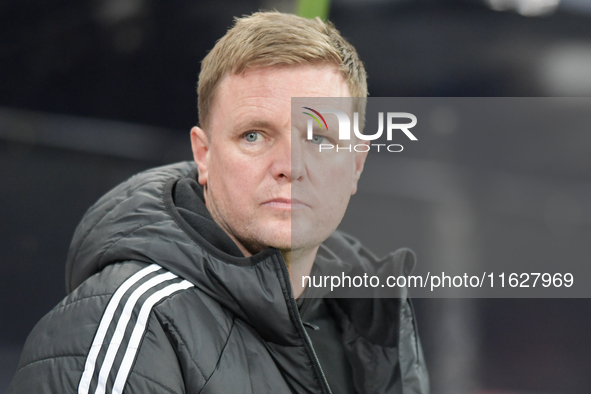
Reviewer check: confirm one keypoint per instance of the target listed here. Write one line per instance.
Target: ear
(200, 147)
(358, 167)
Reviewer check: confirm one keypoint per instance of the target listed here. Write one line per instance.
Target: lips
(285, 203)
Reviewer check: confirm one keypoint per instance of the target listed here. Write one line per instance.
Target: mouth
(285, 203)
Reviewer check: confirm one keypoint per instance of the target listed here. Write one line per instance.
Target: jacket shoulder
(98, 332)
(68, 327)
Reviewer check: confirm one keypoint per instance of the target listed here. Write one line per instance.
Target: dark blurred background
(93, 91)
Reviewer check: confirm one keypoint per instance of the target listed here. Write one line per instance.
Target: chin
(288, 236)
(307, 239)
(275, 236)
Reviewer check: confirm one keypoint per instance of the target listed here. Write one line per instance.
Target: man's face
(266, 185)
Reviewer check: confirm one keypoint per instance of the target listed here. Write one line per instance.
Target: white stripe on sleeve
(122, 325)
(104, 324)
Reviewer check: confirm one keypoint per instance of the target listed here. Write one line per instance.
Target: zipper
(309, 341)
(293, 307)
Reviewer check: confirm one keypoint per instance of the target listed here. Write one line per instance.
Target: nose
(288, 163)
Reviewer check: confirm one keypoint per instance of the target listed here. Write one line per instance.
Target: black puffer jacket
(155, 308)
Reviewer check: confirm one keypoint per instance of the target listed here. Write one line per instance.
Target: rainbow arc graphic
(315, 118)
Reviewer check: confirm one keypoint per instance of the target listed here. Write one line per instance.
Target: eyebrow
(255, 124)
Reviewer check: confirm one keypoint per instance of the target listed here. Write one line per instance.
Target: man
(179, 278)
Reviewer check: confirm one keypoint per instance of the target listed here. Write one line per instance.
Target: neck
(299, 264)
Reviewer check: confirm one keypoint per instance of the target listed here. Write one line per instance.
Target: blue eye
(252, 136)
(317, 139)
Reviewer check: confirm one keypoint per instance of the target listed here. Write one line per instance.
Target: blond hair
(266, 39)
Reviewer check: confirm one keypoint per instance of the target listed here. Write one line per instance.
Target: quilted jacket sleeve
(57, 351)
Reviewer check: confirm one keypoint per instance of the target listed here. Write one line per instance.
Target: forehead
(270, 89)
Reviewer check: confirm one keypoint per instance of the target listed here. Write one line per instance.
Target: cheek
(223, 163)
(338, 178)
(234, 181)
